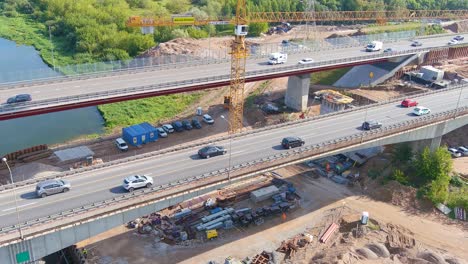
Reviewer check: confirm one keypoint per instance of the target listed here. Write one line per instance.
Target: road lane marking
(19, 206)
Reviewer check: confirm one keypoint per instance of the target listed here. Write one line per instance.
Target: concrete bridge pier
(419, 145)
(297, 93)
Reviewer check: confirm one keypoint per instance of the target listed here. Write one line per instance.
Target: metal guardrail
(294, 155)
(147, 88)
(414, 94)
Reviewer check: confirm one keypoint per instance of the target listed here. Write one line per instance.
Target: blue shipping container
(151, 132)
(134, 135)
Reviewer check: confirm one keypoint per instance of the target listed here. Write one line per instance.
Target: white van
(277, 58)
(121, 144)
(374, 46)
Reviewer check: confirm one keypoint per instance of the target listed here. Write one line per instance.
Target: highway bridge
(63, 94)
(97, 202)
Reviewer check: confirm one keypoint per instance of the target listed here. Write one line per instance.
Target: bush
(180, 33)
(197, 33)
(400, 177)
(373, 173)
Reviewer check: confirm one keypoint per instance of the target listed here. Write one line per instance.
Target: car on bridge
(416, 44)
(49, 187)
(211, 151)
(409, 103)
(421, 110)
(459, 38)
(19, 98)
(453, 42)
(369, 125)
(168, 128)
(292, 142)
(306, 61)
(388, 50)
(137, 181)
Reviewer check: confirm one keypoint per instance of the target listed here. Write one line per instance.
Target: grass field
(152, 110)
(328, 77)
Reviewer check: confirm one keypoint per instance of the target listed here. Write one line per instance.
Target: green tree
(402, 154)
(180, 33)
(255, 29)
(177, 6)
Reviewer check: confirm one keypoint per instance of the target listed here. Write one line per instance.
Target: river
(17, 63)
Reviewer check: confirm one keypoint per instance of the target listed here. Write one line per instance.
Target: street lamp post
(458, 103)
(230, 149)
(16, 202)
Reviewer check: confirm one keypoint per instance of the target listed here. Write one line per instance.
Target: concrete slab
(80, 152)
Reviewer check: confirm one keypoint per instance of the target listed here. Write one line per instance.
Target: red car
(409, 103)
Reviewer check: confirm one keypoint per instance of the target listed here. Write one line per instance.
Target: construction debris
(291, 246)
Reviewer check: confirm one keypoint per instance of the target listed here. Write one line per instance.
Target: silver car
(50, 187)
(137, 181)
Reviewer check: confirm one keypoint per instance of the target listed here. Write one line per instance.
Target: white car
(137, 181)
(421, 110)
(463, 150)
(168, 128)
(455, 153)
(453, 42)
(121, 144)
(306, 61)
(208, 119)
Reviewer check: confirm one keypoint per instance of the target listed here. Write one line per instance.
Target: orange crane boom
(254, 17)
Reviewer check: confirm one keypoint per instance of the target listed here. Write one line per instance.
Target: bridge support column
(432, 144)
(297, 93)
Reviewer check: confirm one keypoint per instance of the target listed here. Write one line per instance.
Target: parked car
(416, 44)
(186, 124)
(208, 119)
(306, 61)
(121, 144)
(196, 123)
(463, 151)
(49, 187)
(459, 38)
(19, 98)
(292, 142)
(455, 153)
(162, 133)
(409, 103)
(211, 151)
(388, 50)
(137, 181)
(369, 125)
(177, 125)
(453, 42)
(421, 110)
(168, 128)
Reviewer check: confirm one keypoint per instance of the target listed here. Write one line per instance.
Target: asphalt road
(80, 87)
(105, 183)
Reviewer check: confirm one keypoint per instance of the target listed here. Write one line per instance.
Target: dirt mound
(458, 27)
(454, 261)
(358, 33)
(398, 237)
(431, 257)
(379, 249)
(334, 35)
(366, 253)
(32, 170)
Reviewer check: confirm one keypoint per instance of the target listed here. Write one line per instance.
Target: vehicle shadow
(278, 147)
(263, 63)
(118, 190)
(195, 157)
(29, 195)
(411, 114)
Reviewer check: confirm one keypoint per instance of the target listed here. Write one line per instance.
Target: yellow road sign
(183, 20)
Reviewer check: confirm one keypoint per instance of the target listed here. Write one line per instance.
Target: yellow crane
(239, 51)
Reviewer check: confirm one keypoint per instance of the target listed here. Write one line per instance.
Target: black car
(187, 125)
(292, 142)
(177, 125)
(19, 98)
(369, 125)
(211, 151)
(416, 44)
(196, 123)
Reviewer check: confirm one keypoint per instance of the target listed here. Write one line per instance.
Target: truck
(277, 58)
(374, 46)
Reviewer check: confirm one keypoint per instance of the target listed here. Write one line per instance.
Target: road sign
(183, 20)
(219, 23)
(22, 257)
